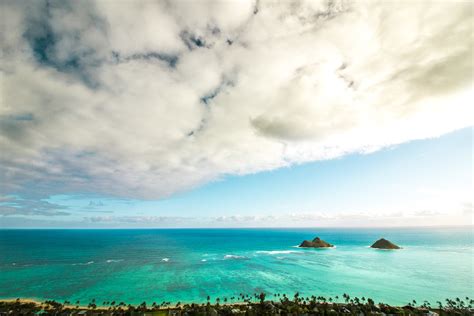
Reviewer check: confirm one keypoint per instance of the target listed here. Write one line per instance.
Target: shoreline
(253, 305)
(42, 303)
(107, 307)
(248, 300)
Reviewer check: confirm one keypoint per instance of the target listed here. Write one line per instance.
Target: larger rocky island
(316, 243)
(384, 244)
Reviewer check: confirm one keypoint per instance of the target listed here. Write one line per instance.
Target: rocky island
(384, 244)
(316, 243)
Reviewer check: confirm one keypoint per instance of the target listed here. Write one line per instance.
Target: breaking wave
(83, 264)
(277, 252)
(234, 257)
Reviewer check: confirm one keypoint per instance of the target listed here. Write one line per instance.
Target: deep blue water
(189, 264)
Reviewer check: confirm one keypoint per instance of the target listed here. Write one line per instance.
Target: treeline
(244, 304)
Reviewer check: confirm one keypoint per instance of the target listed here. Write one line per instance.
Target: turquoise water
(188, 264)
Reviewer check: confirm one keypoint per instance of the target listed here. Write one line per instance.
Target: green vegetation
(256, 304)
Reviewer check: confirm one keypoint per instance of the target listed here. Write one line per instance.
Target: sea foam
(83, 264)
(277, 252)
(235, 257)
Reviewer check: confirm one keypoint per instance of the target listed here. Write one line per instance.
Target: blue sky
(425, 181)
(235, 113)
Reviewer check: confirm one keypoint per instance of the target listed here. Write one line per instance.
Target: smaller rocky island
(316, 243)
(384, 244)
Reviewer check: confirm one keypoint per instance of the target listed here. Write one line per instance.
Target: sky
(236, 113)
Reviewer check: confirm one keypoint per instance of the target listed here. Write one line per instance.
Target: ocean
(187, 265)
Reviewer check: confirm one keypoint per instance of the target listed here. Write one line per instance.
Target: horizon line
(243, 227)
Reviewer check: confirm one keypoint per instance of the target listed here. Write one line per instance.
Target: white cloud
(12, 206)
(311, 219)
(144, 99)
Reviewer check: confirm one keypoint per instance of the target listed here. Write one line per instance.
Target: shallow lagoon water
(186, 265)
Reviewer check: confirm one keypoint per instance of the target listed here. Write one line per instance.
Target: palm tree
(346, 297)
(296, 296)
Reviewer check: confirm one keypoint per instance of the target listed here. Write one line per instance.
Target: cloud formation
(317, 219)
(11, 205)
(143, 99)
